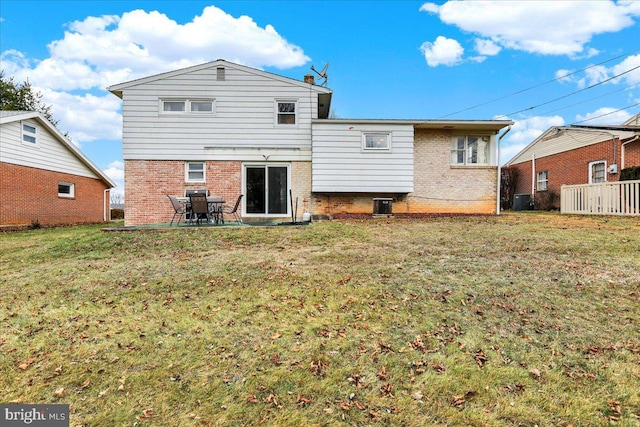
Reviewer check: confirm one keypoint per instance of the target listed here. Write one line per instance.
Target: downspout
(104, 205)
(533, 175)
(500, 171)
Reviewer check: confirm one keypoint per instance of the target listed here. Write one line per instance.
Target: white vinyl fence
(605, 198)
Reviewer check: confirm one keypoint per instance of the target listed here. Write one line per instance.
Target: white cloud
(487, 47)
(599, 73)
(100, 51)
(443, 51)
(115, 171)
(559, 27)
(523, 132)
(604, 116)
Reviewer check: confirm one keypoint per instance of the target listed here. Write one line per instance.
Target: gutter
(498, 185)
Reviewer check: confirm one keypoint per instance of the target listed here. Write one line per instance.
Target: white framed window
(470, 150)
(286, 112)
(597, 171)
(194, 172)
(201, 106)
(182, 106)
(29, 134)
(66, 189)
(542, 181)
(376, 141)
(174, 106)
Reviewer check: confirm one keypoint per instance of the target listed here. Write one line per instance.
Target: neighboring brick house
(44, 178)
(237, 130)
(569, 155)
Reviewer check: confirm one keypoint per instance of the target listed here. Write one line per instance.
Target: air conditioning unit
(382, 206)
(612, 169)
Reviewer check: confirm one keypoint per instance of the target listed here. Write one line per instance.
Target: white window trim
(591, 164)
(72, 190)
(364, 141)
(539, 181)
(187, 106)
(24, 133)
(276, 112)
(244, 189)
(186, 172)
(466, 148)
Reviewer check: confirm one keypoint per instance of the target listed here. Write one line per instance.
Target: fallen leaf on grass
(302, 401)
(535, 373)
(59, 392)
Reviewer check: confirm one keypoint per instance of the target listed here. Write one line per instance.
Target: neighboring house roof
(559, 139)
(13, 116)
(323, 92)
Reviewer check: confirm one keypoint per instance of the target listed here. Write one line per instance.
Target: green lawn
(519, 320)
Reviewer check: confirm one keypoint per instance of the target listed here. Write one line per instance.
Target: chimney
(309, 79)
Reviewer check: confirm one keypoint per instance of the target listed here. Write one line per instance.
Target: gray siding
(49, 153)
(244, 115)
(340, 164)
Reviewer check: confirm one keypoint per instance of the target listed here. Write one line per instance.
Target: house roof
(7, 116)
(463, 125)
(118, 88)
(559, 139)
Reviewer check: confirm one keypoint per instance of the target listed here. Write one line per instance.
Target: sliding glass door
(266, 189)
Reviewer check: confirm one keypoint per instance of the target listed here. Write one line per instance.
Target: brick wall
(632, 154)
(149, 182)
(28, 195)
(438, 186)
(570, 167)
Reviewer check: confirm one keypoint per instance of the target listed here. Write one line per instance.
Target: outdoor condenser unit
(382, 206)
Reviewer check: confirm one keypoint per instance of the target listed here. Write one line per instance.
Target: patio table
(215, 207)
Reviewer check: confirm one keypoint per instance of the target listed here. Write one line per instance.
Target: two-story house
(233, 129)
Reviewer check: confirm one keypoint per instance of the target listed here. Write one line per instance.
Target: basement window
(66, 189)
(194, 172)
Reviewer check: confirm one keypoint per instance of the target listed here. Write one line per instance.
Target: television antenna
(322, 74)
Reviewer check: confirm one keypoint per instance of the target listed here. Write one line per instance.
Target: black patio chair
(199, 207)
(180, 210)
(232, 210)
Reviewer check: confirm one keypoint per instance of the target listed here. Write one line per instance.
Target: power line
(539, 85)
(606, 114)
(572, 93)
(590, 99)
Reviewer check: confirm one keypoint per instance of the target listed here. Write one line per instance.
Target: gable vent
(220, 74)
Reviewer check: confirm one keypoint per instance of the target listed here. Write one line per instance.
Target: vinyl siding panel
(564, 141)
(48, 154)
(244, 118)
(340, 164)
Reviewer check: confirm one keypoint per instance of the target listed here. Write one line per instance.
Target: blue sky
(538, 63)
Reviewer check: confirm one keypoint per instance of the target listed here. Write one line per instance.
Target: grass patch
(523, 319)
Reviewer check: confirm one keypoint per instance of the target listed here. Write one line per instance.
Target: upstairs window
(597, 172)
(194, 172)
(286, 112)
(376, 141)
(542, 181)
(171, 106)
(66, 189)
(29, 134)
(470, 150)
